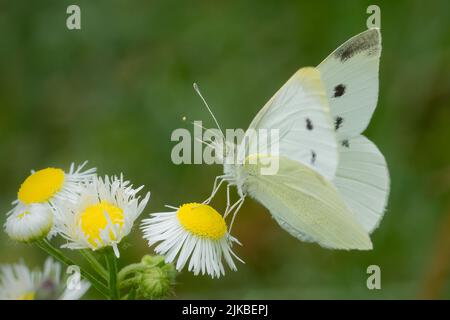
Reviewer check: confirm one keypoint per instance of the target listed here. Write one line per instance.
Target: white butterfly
(333, 183)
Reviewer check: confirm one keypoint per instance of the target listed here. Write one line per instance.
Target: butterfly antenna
(197, 89)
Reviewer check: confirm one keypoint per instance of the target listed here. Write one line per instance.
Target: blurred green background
(113, 92)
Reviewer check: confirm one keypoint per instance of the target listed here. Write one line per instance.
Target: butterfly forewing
(299, 111)
(350, 76)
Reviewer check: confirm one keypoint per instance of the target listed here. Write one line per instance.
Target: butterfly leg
(216, 187)
(227, 209)
(239, 204)
(230, 208)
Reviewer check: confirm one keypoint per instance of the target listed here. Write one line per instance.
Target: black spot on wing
(368, 42)
(313, 157)
(309, 124)
(345, 143)
(339, 90)
(338, 122)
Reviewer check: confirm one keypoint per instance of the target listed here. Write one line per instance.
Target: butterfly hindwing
(307, 205)
(362, 179)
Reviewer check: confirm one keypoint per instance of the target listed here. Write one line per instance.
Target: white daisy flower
(50, 185)
(39, 196)
(18, 282)
(29, 222)
(194, 232)
(103, 215)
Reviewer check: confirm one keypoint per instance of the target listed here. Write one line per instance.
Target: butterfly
(332, 183)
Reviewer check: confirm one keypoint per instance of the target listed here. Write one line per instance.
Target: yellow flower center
(202, 220)
(93, 220)
(27, 296)
(41, 185)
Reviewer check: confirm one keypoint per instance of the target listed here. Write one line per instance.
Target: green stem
(112, 268)
(57, 254)
(95, 264)
(125, 271)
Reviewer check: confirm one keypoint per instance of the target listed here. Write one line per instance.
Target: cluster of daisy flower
(93, 214)
(90, 212)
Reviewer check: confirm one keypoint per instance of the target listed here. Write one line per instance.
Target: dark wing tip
(368, 42)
